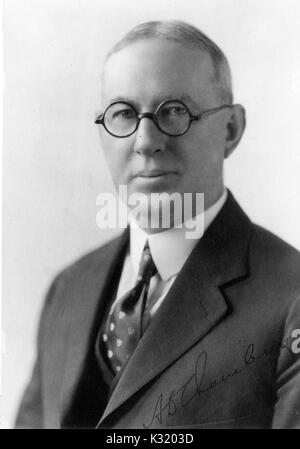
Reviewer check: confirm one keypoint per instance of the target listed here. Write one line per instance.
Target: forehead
(152, 70)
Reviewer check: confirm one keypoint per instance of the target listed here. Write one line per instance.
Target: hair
(190, 36)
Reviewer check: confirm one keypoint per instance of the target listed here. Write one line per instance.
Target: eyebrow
(120, 98)
(188, 99)
(184, 98)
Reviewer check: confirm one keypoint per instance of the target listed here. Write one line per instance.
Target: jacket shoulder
(91, 260)
(274, 257)
(274, 246)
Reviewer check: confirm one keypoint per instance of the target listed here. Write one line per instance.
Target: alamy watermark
(155, 211)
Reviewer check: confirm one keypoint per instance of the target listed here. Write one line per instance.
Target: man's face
(145, 74)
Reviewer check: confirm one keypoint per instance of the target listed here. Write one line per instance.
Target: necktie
(124, 325)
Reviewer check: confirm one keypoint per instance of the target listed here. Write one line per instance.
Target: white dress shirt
(169, 249)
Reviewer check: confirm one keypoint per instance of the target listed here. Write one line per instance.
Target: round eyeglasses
(172, 117)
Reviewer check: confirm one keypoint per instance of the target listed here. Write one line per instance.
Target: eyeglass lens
(172, 117)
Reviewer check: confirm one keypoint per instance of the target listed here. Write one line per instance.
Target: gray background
(53, 164)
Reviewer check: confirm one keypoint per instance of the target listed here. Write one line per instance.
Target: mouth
(154, 180)
(153, 174)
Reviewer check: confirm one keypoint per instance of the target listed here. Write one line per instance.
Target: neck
(168, 216)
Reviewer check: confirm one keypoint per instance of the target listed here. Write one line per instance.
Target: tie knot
(147, 267)
(146, 271)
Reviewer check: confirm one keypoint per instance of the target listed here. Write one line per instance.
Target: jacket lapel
(194, 304)
(87, 306)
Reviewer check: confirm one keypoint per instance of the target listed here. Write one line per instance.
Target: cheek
(205, 150)
(201, 161)
(117, 155)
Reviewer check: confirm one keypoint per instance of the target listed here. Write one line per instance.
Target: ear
(235, 128)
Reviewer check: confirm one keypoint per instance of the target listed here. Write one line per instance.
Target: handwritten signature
(194, 387)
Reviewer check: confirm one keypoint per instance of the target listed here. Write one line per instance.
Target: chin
(157, 211)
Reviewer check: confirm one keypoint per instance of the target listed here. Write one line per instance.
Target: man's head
(160, 61)
(190, 37)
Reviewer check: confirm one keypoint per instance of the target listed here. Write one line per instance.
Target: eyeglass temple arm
(99, 120)
(211, 111)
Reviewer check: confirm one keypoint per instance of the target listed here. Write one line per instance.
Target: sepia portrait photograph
(151, 215)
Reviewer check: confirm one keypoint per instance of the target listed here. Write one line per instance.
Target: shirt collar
(170, 248)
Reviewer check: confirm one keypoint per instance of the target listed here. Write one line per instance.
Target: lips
(154, 180)
(155, 173)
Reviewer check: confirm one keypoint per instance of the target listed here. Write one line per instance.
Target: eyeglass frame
(153, 116)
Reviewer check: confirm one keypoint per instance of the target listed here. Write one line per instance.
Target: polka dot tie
(124, 325)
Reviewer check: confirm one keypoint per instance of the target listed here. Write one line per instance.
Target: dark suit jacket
(218, 353)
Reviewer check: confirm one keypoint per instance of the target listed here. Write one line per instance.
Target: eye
(173, 110)
(125, 113)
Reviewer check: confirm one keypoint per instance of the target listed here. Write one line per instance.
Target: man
(155, 330)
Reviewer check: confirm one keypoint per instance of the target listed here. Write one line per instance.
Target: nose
(148, 138)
